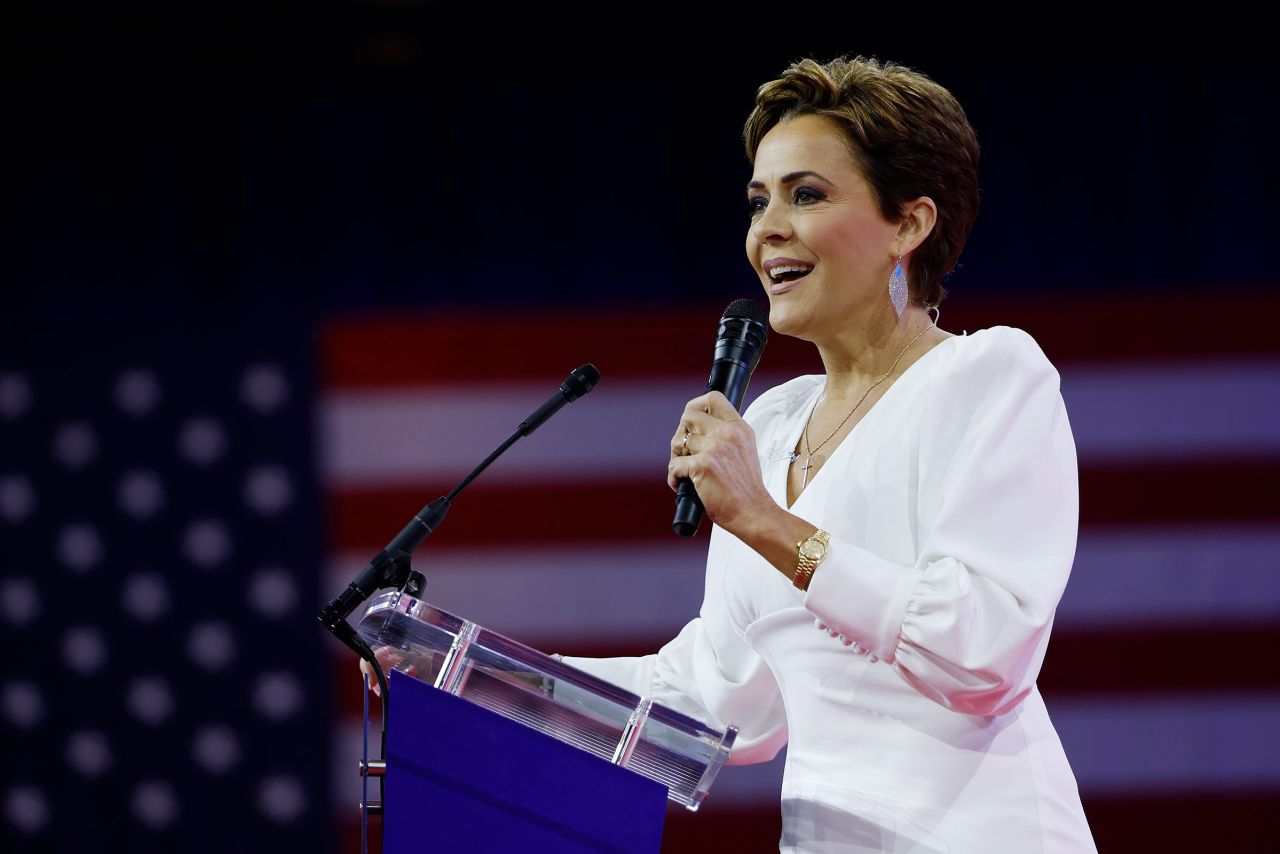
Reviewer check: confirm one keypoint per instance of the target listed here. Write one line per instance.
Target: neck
(861, 353)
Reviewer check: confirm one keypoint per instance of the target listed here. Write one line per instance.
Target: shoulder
(994, 357)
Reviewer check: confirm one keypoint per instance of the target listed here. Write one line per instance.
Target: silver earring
(898, 288)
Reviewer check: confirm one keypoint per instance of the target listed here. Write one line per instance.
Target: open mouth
(783, 273)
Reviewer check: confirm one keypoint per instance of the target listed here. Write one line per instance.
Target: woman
(891, 537)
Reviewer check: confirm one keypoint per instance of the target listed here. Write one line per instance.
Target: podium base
(459, 774)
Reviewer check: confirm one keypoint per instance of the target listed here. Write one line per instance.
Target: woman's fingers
(702, 418)
(370, 678)
(388, 659)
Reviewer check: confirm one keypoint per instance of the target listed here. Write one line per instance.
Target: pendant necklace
(810, 451)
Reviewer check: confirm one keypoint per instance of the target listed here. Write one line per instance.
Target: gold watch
(811, 550)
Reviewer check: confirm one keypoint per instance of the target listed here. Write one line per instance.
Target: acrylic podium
(492, 745)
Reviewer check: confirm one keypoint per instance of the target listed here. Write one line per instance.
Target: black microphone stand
(391, 566)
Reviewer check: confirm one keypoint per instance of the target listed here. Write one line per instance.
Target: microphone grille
(747, 309)
(588, 375)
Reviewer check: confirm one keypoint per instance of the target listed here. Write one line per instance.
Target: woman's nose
(771, 224)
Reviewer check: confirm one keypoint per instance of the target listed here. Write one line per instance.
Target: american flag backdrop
(1161, 675)
(175, 512)
(271, 287)
(165, 687)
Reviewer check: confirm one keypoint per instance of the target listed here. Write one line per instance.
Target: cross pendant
(808, 464)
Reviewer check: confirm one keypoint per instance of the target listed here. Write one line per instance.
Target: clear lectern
(496, 746)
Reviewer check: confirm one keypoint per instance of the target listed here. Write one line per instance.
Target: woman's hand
(720, 457)
(388, 657)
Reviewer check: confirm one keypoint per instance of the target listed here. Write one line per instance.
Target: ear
(917, 223)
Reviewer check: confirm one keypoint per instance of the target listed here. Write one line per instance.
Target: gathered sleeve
(998, 504)
(711, 675)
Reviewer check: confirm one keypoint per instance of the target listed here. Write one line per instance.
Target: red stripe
(1238, 490)
(642, 341)
(1177, 659)
(364, 520)
(1192, 822)
(1199, 822)
(566, 513)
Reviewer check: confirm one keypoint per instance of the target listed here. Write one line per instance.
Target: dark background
(265, 168)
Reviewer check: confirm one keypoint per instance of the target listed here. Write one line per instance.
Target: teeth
(778, 272)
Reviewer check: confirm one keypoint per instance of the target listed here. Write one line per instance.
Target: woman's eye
(756, 204)
(806, 195)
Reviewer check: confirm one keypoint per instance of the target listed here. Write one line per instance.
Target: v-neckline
(798, 430)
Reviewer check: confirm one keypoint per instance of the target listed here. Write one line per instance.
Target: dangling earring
(898, 288)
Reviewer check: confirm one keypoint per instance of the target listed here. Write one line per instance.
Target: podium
(495, 746)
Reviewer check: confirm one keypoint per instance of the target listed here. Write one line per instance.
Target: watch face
(813, 550)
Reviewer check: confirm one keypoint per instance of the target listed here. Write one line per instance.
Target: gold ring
(684, 443)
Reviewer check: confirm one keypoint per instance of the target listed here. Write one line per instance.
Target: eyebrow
(790, 178)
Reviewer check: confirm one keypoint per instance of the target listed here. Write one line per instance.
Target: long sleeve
(997, 494)
(710, 676)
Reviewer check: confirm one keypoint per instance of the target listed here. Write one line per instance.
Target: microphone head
(747, 309)
(581, 380)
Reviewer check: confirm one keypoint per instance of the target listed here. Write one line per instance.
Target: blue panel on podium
(459, 774)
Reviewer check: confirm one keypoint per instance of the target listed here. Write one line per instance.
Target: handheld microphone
(740, 339)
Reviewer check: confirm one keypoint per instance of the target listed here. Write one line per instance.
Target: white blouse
(903, 681)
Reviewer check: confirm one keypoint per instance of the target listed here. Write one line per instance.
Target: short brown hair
(909, 136)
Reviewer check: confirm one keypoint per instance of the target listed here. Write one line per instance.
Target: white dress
(912, 723)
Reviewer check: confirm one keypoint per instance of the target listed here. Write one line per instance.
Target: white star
(26, 808)
(137, 392)
(15, 396)
(268, 489)
(19, 600)
(145, 596)
(149, 699)
(75, 444)
(17, 498)
(83, 650)
(206, 543)
(264, 388)
(216, 749)
(140, 494)
(272, 592)
(23, 706)
(277, 695)
(202, 441)
(281, 798)
(79, 547)
(88, 753)
(154, 804)
(211, 645)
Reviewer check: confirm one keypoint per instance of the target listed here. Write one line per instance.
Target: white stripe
(622, 428)
(1120, 745)
(1158, 576)
(443, 432)
(1163, 410)
(567, 596)
(612, 595)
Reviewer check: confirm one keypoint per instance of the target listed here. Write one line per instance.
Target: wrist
(809, 553)
(776, 535)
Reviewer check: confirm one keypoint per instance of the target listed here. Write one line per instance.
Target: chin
(785, 320)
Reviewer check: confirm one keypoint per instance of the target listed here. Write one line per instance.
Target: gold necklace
(809, 450)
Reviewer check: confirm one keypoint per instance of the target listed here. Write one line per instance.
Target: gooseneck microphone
(390, 567)
(740, 339)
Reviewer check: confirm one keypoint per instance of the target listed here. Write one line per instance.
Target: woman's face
(817, 241)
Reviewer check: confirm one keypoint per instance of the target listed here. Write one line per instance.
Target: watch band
(810, 557)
